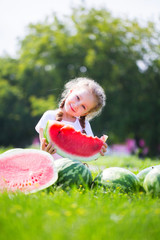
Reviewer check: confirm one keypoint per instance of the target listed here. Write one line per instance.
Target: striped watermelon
(72, 173)
(152, 182)
(117, 178)
(73, 144)
(26, 170)
(142, 174)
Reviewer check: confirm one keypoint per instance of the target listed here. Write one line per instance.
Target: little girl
(81, 100)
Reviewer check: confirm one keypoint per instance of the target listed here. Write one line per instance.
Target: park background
(119, 52)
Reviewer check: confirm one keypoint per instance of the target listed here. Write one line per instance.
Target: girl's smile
(79, 103)
(72, 108)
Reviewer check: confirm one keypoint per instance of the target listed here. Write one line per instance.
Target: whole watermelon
(142, 174)
(152, 182)
(72, 173)
(116, 178)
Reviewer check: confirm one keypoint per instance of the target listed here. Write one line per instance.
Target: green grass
(83, 214)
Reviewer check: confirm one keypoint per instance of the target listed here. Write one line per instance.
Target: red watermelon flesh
(27, 170)
(71, 143)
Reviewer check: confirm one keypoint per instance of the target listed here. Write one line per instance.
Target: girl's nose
(76, 105)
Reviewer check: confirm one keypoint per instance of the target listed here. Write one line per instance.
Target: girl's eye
(78, 98)
(83, 107)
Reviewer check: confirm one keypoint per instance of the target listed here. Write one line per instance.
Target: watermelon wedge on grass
(73, 144)
(26, 170)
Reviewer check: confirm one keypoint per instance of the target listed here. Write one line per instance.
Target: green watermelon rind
(11, 151)
(72, 173)
(117, 178)
(152, 183)
(65, 154)
(20, 150)
(74, 157)
(143, 173)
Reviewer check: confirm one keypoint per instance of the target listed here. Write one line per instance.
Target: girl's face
(79, 102)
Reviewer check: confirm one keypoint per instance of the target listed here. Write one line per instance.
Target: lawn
(83, 214)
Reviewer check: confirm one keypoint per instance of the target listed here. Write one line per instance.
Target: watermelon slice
(27, 170)
(73, 144)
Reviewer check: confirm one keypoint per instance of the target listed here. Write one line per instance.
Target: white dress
(51, 115)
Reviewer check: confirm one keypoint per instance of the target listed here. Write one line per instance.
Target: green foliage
(40, 105)
(11, 114)
(120, 54)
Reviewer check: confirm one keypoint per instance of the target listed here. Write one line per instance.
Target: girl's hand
(103, 149)
(48, 147)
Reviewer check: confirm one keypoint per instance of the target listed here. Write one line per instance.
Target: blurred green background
(120, 54)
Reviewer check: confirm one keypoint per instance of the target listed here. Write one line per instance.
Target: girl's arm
(48, 147)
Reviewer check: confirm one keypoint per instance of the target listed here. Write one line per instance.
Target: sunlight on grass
(82, 213)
